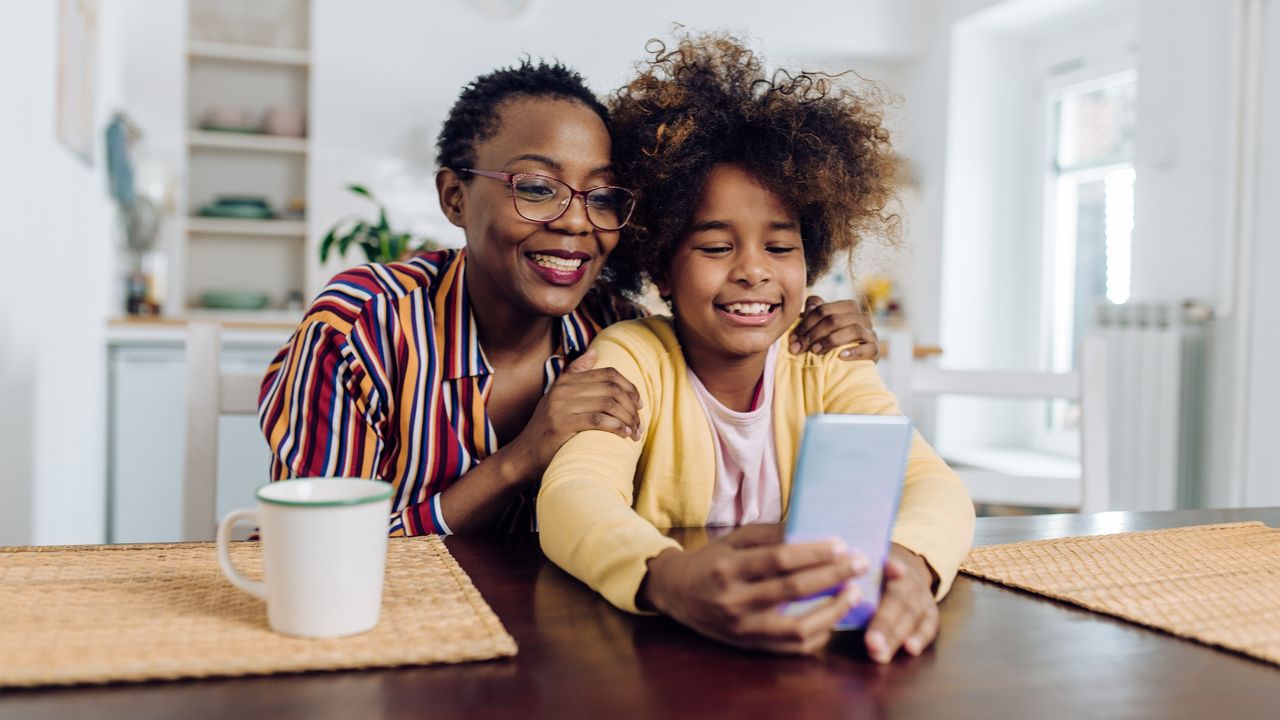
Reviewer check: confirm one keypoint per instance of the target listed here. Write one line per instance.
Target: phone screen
(847, 483)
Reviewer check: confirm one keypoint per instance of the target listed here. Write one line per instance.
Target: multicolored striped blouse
(385, 378)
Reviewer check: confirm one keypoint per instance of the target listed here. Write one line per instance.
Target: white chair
(1037, 482)
(211, 393)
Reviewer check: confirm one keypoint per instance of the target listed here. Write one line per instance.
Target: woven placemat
(99, 614)
(1216, 584)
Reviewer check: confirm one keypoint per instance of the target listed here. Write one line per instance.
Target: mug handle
(256, 588)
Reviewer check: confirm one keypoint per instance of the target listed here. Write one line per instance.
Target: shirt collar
(456, 326)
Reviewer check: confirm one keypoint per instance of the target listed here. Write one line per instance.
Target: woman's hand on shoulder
(908, 614)
(582, 398)
(732, 589)
(828, 325)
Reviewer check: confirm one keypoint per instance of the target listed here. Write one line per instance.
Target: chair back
(1089, 490)
(210, 394)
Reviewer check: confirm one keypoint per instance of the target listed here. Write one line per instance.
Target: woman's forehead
(563, 131)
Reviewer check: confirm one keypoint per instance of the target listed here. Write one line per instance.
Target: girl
(754, 184)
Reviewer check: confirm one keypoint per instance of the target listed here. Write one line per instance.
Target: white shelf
(288, 57)
(209, 139)
(237, 226)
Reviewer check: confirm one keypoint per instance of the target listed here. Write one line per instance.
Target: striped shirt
(385, 378)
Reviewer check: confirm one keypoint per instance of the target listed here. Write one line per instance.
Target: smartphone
(847, 484)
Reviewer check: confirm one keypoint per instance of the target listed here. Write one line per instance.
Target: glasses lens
(610, 207)
(540, 199)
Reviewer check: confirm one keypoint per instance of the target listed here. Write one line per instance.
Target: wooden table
(1000, 653)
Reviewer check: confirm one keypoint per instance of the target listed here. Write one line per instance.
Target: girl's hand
(828, 325)
(580, 399)
(908, 614)
(732, 588)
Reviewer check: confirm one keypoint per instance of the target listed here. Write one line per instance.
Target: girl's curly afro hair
(819, 146)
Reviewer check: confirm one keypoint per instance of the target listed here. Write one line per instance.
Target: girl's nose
(752, 267)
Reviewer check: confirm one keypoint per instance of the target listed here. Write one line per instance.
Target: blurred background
(1074, 167)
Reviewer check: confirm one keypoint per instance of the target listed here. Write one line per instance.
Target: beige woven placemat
(1217, 584)
(99, 614)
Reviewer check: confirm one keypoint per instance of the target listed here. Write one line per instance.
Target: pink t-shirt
(748, 489)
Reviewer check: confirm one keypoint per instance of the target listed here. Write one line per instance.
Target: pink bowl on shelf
(286, 121)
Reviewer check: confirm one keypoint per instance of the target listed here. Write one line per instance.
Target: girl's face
(736, 281)
(543, 268)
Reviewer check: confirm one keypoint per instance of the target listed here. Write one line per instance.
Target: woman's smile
(559, 267)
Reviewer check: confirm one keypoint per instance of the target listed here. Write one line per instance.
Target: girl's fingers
(902, 608)
(802, 583)
(924, 634)
(761, 562)
(800, 634)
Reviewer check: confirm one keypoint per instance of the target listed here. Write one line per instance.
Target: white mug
(324, 553)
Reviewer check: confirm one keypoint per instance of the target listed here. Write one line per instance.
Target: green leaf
(361, 190)
(327, 244)
(382, 219)
(384, 245)
(369, 252)
(357, 231)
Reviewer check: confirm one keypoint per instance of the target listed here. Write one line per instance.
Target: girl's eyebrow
(724, 224)
(709, 225)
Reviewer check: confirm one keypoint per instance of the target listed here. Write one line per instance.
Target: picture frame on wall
(77, 54)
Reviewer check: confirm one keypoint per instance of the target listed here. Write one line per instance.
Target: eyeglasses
(543, 199)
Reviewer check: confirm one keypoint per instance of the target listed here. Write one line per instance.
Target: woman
(762, 182)
(458, 374)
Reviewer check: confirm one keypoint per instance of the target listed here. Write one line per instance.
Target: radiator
(1156, 378)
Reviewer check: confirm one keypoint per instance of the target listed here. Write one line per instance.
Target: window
(1090, 207)
(1089, 210)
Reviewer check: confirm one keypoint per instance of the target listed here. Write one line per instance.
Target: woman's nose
(574, 220)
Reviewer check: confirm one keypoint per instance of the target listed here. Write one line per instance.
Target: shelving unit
(213, 140)
(200, 50)
(235, 226)
(234, 70)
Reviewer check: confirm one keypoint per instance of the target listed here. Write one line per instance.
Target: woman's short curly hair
(820, 146)
(474, 117)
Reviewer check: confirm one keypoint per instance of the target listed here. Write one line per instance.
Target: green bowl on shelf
(233, 300)
(248, 208)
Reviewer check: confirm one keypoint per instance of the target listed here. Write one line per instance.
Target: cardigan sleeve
(587, 525)
(935, 515)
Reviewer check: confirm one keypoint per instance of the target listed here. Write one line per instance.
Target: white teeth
(748, 308)
(557, 263)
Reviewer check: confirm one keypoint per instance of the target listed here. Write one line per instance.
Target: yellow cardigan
(603, 497)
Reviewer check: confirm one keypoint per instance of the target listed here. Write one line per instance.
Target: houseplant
(377, 240)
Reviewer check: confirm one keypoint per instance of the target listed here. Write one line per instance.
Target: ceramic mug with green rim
(324, 554)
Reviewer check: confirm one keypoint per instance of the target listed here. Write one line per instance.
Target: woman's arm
(325, 408)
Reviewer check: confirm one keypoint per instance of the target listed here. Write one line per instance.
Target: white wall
(53, 303)
(1261, 484)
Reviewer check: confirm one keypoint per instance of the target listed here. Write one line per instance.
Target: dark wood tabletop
(1000, 653)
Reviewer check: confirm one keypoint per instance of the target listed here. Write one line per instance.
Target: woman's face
(543, 268)
(736, 281)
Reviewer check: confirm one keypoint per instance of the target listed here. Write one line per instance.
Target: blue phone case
(847, 484)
